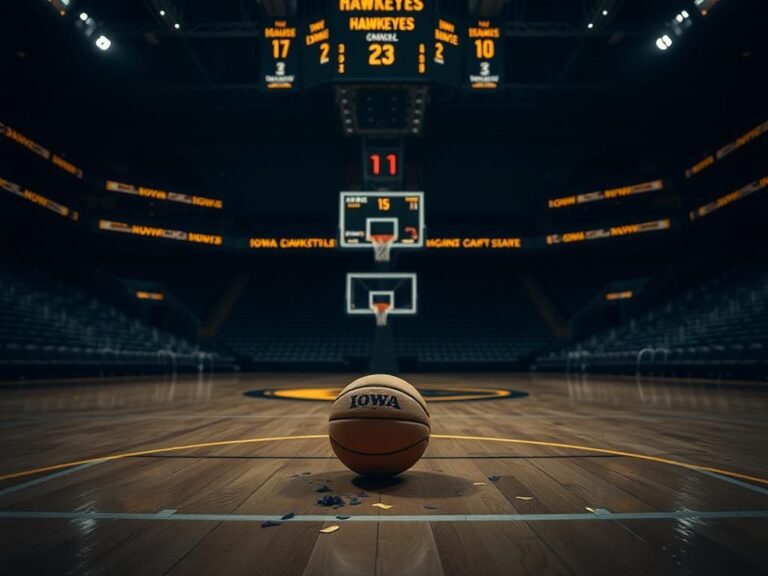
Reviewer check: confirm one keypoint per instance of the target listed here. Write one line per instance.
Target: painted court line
(736, 482)
(512, 441)
(170, 516)
(36, 481)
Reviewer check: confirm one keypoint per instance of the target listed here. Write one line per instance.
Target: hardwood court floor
(552, 509)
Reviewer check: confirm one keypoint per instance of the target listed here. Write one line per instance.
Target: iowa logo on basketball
(363, 400)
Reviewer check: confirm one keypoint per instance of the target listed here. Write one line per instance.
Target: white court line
(736, 482)
(36, 481)
(169, 516)
(14, 420)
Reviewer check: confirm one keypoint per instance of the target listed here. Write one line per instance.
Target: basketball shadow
(412, 484)
(378, 484)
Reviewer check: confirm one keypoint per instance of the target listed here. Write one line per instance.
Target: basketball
(379, 425)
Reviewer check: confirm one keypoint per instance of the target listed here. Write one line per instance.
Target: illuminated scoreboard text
(40, 150)
(280, 57)
(317, 61)
(484, 55)
(38, 199)
(381, 39)
(365, 216)
(445, 63)
(382, 204)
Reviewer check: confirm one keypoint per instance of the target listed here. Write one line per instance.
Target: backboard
(381, 293)
(366, 214)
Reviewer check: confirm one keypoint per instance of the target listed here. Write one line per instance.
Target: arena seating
(468, 341)
(274, 325)
(718, 328)
(50, 328)
(486, 324)
(483, 322)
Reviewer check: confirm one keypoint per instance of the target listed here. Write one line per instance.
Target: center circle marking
(460, 394)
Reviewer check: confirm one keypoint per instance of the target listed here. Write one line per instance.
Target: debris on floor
(382, 506)
(288, 516)
(269, 524)
(329, 529)
(331, 501)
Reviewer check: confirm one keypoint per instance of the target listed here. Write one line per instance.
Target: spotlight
(103, 43)
(685, 14)
(177, 25)
(664, 42)
(590, 25)
(679, 17)
(83, 16)
(162, 12)
(605, 12)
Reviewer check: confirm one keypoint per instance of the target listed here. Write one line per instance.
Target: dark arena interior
(546, 215)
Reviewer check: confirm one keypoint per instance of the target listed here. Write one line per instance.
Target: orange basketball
(379, 425)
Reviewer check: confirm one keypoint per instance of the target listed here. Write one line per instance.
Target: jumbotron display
(385, 40)
(378, 41)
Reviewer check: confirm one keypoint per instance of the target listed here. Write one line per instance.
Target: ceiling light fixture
(103, 43)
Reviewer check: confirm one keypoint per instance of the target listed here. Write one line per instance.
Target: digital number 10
(485, 49)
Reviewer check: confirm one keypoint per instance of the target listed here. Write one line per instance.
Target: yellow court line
(648, 457)
(330, 394)
(156, 451)
(607, 451)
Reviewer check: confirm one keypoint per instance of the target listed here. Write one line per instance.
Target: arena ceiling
(581, 106)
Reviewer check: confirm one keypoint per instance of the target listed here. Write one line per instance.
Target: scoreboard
(446, 61)
(485, 65)
(316, 53)
(381, 41)
(280, 56)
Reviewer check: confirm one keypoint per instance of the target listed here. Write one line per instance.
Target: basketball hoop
(382, 245)
(381, 309)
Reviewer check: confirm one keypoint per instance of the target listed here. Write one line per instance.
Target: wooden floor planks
(719, 427)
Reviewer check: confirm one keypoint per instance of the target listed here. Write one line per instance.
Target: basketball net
(381, 309)
(382, 245)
